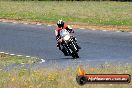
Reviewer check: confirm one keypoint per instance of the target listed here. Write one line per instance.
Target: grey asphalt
(98, 47)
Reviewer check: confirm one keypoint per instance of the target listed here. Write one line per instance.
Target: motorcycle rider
(61, 25)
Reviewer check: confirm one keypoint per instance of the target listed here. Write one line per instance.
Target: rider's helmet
(60, 23)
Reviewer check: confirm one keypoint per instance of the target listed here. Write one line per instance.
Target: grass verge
(56, 78)
(91, 13)
(8, 59)
(53, 78)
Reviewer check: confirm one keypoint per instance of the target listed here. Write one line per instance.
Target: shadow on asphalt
(68, 58)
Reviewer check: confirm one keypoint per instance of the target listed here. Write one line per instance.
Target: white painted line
(118, 31)
(82, 28)
(19, 55)
(110, 84)
(2, 52)
(28, 56)
(42, 60)
(93, 29)
(38, 24)
(25, 23)
(48, 25)
(12, 54)
(14, 22)
(104, 30)
(4, 21)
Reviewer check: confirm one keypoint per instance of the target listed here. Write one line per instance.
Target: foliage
(57, 78)
(106, 13)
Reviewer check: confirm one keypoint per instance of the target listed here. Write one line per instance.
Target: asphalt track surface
(98, 47)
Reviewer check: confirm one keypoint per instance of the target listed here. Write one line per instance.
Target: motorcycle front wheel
(74, 52)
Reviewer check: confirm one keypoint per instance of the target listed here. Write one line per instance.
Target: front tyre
(74, 52)
(75, 55)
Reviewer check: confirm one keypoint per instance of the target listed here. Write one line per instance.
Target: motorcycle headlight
(67, 37)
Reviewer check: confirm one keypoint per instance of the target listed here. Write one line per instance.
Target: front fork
(66, 48)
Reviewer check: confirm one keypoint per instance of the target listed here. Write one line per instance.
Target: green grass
(7, 59)
(57, 78)
(106, 13)
(53, 77)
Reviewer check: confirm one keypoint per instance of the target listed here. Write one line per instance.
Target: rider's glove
(71, 31)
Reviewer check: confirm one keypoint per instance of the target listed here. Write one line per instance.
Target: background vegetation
(23, 76)
(57, 78)
(106, 13)
(69, 0)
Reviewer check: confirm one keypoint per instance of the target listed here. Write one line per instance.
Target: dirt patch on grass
(104, 27)
(75, 25)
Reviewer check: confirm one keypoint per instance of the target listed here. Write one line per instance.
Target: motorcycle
(69, 46)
